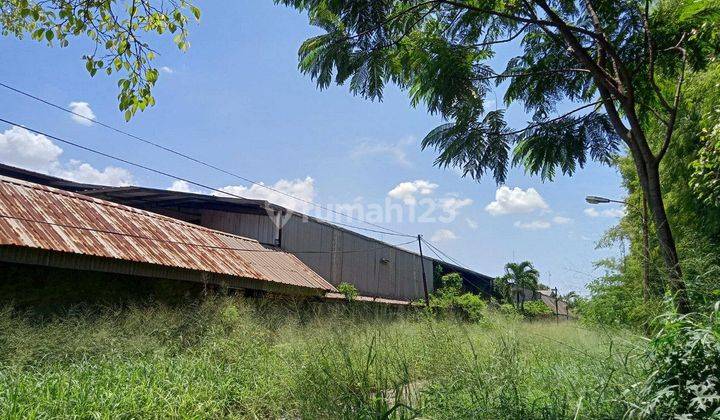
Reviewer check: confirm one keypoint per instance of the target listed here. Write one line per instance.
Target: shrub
(536, 308)
(451, 284)
(508, 309)
(448, 299)
(685, 377)
(471, 306)
(347, 289)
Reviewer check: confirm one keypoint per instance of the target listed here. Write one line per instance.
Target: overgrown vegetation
(229, 357)
(450, 299)
(617, 297)
(620, 67)
(349, 290)
(685, 361)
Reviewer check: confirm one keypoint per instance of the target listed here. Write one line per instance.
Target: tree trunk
(645, 250)
(665, 238)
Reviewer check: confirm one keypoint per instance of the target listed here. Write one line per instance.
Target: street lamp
(594, 199)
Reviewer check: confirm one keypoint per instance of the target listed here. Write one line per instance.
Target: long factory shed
(377, 269)
(45, 226)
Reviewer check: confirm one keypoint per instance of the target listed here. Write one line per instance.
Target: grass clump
(230, 357)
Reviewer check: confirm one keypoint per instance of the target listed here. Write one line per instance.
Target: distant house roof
(38, 217)
(546, 295)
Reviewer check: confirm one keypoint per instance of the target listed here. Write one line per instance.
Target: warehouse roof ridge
(121, 207)
(137, 195)
(43, 219)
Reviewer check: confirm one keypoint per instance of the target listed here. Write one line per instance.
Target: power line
(225, 248)
(434, 248)
(370, 230)
(198, 161)
(157, 171)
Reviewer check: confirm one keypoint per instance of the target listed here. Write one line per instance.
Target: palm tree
(524, 276)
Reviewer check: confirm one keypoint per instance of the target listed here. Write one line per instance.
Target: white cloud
(451, 205)
(82, 108)
(19, 147)
(514, 201)
(613, 212)
(443, 235)
(166, 69)
(301, 188)
(396, 151)
(534, 225)
(560, 220)
(406, 191)
(184, 186)
(83, 172)
(591, 212)
(471, 224)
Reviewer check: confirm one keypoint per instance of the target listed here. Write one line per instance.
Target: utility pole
(422, 267)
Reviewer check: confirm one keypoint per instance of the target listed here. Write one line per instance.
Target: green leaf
(195, 12)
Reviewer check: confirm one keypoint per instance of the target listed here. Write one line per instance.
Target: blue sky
(236, 99)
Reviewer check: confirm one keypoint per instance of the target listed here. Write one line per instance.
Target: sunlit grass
(244, 359)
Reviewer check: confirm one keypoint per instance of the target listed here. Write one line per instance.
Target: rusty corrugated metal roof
(37, 216)
(546, 295)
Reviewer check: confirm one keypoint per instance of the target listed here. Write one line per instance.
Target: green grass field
(232, 358)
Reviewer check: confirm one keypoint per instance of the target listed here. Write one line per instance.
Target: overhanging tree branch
(516, 18)
(390, 19)
(676, 100)
(650, 45)
(541, 123)
(502, 41)
(601, 75)
(532, 73)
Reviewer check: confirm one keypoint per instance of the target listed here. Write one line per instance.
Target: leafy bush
(685, 378)
(471, 306)
(451, 284)
(349, 290)
(449, 299)
(508, 309)
(535, 309)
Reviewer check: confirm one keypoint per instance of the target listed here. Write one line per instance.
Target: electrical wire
(200, 162)
(433, 250)
(157, 171)
(225, 248)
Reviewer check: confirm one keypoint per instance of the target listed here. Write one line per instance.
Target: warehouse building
(336, 254)
(48, 227)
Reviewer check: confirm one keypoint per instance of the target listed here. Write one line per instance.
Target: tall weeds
(228, 357)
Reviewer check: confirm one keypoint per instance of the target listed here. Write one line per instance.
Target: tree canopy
(620, 64)
(439, 51)
(522, 274)
(519, 276)
(118, 33)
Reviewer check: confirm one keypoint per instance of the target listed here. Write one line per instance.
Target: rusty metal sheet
(336, 296)
(36, 216)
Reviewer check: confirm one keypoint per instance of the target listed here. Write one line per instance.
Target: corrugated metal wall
(255, 226)
(343, 256)
(373, 267)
